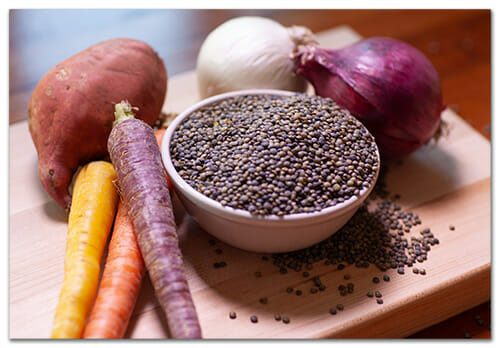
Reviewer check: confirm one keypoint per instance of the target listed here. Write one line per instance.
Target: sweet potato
(71, 110)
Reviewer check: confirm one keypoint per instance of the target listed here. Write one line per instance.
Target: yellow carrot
(91, 216)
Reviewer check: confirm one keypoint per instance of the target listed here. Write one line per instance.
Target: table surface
(458, 42)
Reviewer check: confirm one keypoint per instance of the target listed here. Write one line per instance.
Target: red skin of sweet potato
(71, 110)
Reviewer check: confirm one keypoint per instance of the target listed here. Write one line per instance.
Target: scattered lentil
(333, 311)
(378, 294)
(289, 290)
(368, 238)
(286, 320)
(380, 301)
(232, 315)
(452, 228)
(254, 319)
(298, 292)
(263, 300)
(277, 317)
(376, 280)
(369, 294)
(340, 307)
(386, 278)
(314, 290)
(220, 264)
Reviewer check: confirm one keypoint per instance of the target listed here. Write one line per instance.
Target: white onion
(250, 52)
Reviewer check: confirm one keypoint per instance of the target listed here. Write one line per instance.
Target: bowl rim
(239, 214)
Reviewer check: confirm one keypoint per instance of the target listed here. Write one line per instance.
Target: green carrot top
(124, 111)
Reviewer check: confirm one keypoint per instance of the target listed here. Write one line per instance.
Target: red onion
(390, 86)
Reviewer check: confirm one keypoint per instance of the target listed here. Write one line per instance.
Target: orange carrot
(121, 279)
(159, 136)
(120, 282)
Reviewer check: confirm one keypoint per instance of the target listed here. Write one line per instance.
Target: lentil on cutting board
(275, 155)
(365, 239)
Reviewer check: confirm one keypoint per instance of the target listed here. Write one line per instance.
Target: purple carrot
(135, 154)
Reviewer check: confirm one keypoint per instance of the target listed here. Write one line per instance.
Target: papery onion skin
(390, 86)
(250, 52)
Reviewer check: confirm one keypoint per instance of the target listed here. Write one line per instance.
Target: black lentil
(386, 278)
(220, 264)
(376, 280)
(333, 311)
(340, 307)
(232, 315)
(347, 276)
(263, 300)
(285, 320)
(369, 294)
(254, 319)
(289, 290)
(314, 290)
(380, 301)
(277, 317)
(275, 155)
(298, 292)
(378, 294)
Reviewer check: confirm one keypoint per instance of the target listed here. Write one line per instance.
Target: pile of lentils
(275, 155)
(377, 234)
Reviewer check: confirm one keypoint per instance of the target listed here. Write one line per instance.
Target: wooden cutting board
(447, 183)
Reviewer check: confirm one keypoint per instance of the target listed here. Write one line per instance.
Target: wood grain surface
(458, 42)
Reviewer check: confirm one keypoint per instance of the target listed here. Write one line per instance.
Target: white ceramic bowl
(239, 228)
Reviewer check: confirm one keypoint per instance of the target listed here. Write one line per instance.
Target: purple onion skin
(390, 86)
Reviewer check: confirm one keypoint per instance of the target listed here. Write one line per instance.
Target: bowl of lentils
(269, 170)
